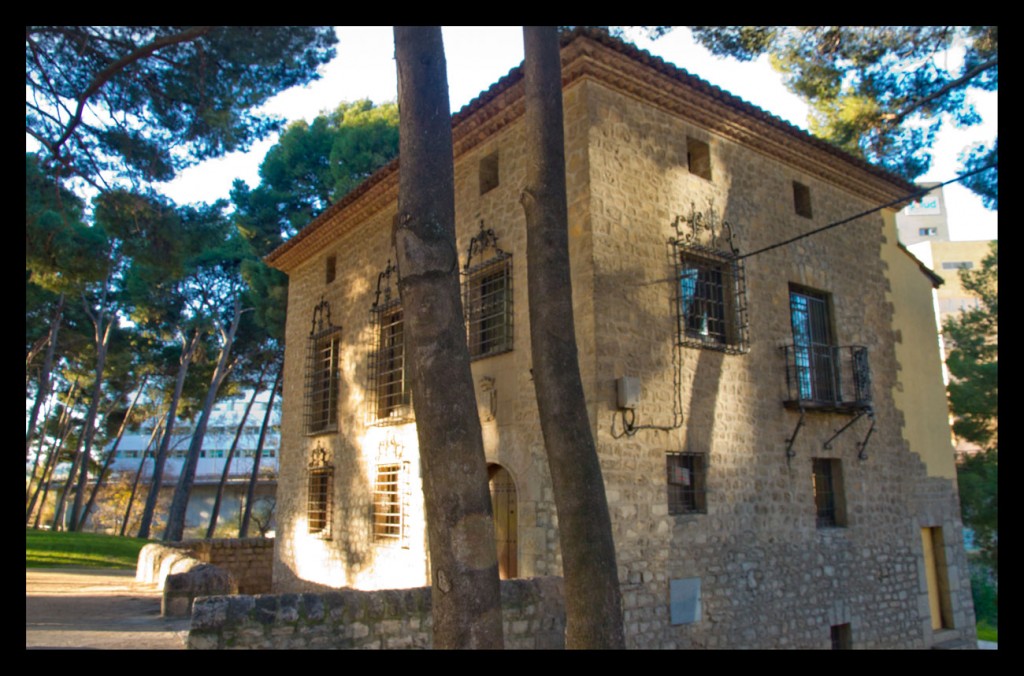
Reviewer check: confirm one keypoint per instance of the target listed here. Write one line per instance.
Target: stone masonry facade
(748, 563)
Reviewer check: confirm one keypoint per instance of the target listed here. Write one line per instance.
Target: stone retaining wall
(533, 612)
(249, 561)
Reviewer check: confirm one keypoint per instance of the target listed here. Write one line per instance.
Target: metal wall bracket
(789, 442)
(861, 445)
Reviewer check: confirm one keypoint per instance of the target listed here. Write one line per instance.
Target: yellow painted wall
(919, 392)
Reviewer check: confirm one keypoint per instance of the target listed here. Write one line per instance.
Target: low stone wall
(533, 613)
(249, 561)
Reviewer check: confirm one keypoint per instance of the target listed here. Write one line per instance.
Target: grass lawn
(986, 632)
(47, 549)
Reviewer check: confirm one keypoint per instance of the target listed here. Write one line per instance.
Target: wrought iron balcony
(828, 378)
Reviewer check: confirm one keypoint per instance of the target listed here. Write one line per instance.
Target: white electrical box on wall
(628, 391)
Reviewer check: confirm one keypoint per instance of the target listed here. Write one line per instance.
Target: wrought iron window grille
(487, 297)
(710, 293)
(687, 482)
(320, 412)
(389, 502)
(320, 496)
(388, 387)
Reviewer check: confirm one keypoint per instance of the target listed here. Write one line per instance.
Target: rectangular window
(387, 503)
(711, 306)
(489, 173)
(813, 350)
(318, 506)
(828, 492)
(389, 388)
(331, 269)
(802, 199)
(686, 483)
(927, 232)
(698, 158)
(957, 265)
(935, 567)
(842, 639)
(488, 302)
(322, 377)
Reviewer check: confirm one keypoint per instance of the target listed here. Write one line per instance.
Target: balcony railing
(828, 377)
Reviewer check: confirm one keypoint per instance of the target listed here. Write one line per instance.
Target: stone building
(769, 415)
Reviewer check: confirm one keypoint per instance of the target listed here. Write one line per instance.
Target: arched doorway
(506, 525)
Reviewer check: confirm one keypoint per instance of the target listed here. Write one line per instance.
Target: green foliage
(48, 549)
(973, 358)
(880, 92)
(141, 102)
(986, 599)
(978, 479)
(60, 248)
(313, 166)
(974, 400)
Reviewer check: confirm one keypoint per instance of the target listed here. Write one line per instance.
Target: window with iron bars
(388, 503)
(487, 291)
(710, 300)
(388, 386)
(829, 505)
(322, 376)
(687, 485)
(318, 503)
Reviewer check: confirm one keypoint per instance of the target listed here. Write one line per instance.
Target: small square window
(802, 199)
(687, 492)
(330, 269)
(698, 158)
(829, 503)
(489, 173)
(927, 232)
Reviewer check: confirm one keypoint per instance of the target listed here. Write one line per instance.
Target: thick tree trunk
(592, 598)
(179, 504)
(243, 529)
(463, 558)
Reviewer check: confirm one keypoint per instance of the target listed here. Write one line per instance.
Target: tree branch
(949, 86)
(110, 71)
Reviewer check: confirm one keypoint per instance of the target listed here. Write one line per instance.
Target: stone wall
(533, 611)
(249, 561)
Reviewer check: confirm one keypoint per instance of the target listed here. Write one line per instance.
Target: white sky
(478, 56)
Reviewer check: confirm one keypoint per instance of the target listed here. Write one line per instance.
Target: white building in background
(220, 434)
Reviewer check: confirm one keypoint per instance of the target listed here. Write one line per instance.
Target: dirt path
(96, 609)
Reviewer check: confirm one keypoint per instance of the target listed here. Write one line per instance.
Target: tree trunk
(43, 390)
(63, 430)
(102, 337)
(161, 455)
(138, 476)
(593, 605)
(101, 477)
(215, 512)
(176, 515)
(463, 558)
(243, 529)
